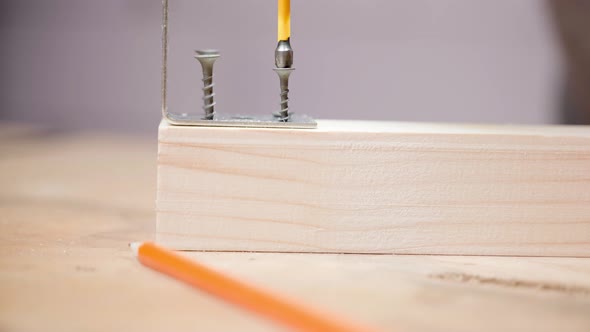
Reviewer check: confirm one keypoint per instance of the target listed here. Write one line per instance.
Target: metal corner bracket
(220, 120)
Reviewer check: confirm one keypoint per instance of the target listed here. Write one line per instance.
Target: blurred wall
(91, 64)
(572, 19)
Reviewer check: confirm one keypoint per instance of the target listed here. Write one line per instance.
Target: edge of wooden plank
(555, 156)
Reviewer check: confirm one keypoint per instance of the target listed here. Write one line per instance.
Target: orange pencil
(273, 307)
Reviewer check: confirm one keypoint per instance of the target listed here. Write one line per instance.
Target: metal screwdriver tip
(284, 54)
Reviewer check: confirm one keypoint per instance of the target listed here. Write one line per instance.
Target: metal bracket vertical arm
(164, 91)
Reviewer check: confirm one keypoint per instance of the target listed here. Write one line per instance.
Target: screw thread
(284, 73)
(283, 114)
(208, 97)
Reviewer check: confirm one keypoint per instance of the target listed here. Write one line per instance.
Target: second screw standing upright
(207, 59)
(284, 56)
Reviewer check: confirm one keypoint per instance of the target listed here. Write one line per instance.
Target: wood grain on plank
(70, 204)
(376, 187)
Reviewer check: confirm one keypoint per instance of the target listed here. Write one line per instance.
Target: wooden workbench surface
(70, 204)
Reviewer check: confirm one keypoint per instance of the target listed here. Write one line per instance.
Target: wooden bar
(65, 260)
(376, 187)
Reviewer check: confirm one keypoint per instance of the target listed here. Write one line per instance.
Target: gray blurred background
(95, 65)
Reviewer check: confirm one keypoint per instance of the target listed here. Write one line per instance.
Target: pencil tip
(135, 247)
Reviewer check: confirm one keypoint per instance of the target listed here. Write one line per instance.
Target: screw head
(283, 73)
(207, 58)
(207, 52)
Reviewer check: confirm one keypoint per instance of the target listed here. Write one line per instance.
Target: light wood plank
(70, 204)
(376, 187)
